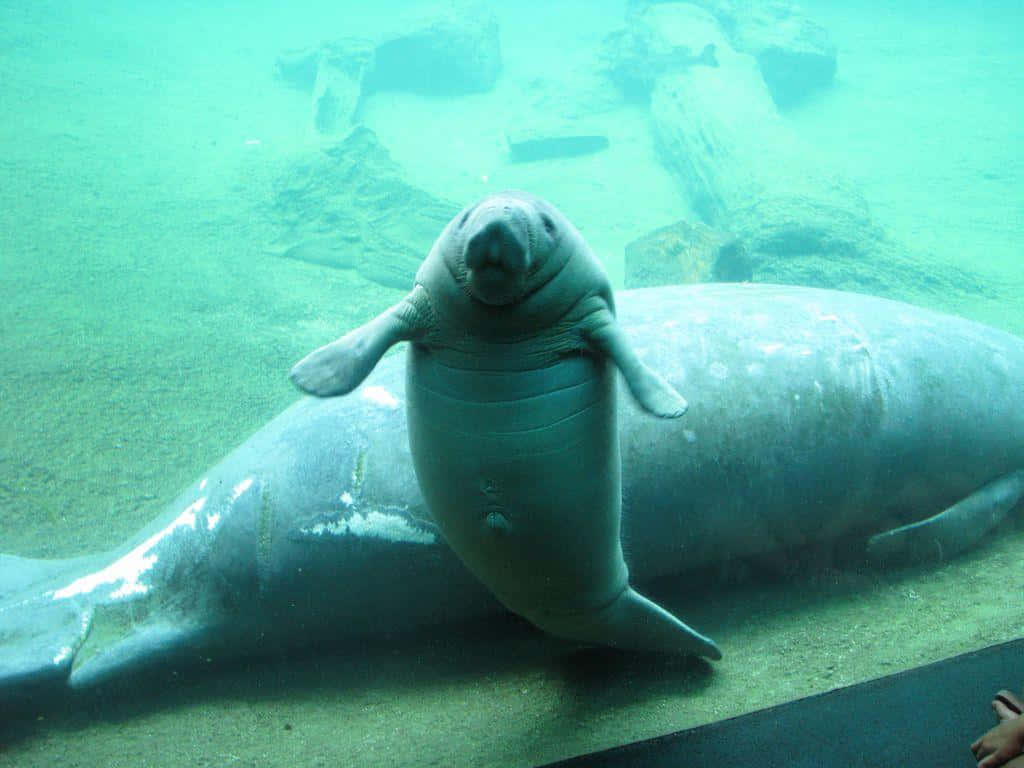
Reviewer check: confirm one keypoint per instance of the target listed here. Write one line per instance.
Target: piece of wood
(531, 147)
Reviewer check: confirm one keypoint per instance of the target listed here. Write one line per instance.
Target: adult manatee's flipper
(39, 636)
(952, 530)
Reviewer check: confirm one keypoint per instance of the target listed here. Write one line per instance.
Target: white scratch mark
(241, 488)
(212, 520)
(380, 396)
(346, 499)
(128, 569)
(62, 654)
(771, 349)
(376, 525)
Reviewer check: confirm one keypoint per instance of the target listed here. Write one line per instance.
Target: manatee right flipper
(651, 391)
(339, 367)
(952, 530)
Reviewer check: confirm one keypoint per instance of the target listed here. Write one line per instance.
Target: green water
(147, 329)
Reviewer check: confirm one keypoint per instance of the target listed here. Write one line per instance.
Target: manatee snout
(497, 259)
(497, 244)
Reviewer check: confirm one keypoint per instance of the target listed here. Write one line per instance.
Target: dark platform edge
(925, 716)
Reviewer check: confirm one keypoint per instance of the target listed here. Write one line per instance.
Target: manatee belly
(520, 469)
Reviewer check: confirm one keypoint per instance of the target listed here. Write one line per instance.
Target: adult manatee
(814, 415)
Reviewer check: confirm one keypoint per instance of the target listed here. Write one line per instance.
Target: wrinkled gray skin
(511, 409)
(814, 415)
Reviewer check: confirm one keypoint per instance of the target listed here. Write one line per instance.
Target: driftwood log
(746, 172)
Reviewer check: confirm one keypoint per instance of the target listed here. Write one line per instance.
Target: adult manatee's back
(815, 414)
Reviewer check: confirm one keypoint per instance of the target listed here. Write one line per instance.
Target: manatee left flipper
(339, 367)
(952, 530)
(651, 391)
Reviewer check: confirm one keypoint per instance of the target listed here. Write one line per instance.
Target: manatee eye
(549, 225)
(465, 216)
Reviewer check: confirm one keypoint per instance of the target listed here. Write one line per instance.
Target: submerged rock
(445, 53)
(348, 207)
(661, 40)
(795, 54)
(685, 253)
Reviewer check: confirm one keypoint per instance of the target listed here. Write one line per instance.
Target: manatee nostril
(513, 255)
(549, 224)
(493, 252)
(477, 250)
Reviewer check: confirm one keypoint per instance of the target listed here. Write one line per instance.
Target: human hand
(1001, 745)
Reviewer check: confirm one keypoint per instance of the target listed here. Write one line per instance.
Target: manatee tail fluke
(39, 636)
(632, 622)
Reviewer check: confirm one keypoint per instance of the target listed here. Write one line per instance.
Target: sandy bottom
(146, 333)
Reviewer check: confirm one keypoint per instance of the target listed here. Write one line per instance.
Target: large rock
(447, 52)
(685, 252)
(795, 54)
(657, 42)
(348, 207)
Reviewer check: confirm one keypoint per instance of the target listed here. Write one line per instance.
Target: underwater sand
(146, 334)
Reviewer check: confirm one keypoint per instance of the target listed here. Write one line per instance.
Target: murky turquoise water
(148, 322)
